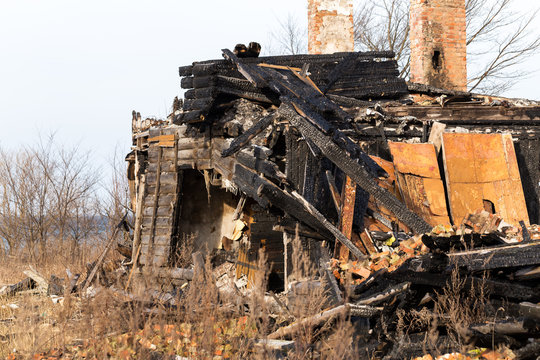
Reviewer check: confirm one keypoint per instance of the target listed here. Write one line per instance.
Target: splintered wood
(419, 180)
(482, 170)
(348, 197)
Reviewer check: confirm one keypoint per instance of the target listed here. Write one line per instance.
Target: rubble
(429, 207)
(399, 219)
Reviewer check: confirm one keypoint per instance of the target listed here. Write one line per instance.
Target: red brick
(447, 17)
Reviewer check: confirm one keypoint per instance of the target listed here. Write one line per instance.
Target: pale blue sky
(80, 67)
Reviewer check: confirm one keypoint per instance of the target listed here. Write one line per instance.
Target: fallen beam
(312, 321)
(294, 205)
(358, 173)
(522, 254)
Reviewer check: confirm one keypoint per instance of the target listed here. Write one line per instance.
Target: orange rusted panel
(419, 180)
(483, 167)
(417, 159)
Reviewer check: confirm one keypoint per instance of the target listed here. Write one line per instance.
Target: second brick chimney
(438, 43)
(330, 26)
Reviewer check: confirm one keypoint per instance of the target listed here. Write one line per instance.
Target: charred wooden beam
(508, 256)
(525, 326)
(496, 288)
(291, 203)
(358, 173)
(10, 290)
(348, 101)
(248, 182)
(278, 197)
(294, 205)
(336, 197)
(315, 320)
(387, 294)
(432, 90)
(250, 72)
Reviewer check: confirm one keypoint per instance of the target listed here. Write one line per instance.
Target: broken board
(390, 184)
(481, 171)
(419, 180)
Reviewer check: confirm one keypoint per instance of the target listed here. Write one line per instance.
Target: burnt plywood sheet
(419, 180)
(482, 169)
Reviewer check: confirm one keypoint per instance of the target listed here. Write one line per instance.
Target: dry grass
(110, 324)
(455, 308)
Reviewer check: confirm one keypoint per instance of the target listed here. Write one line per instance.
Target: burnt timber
(267, 129)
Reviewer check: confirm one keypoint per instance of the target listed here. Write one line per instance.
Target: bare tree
(73, 184)
(290, 36)
(115, 200)
(47, 197)
(498, 39)
(24, 219)
(384, 25)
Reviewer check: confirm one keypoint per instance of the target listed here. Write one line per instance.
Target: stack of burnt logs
(349, 75)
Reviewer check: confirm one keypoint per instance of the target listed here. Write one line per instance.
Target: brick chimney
(438, 43)
(330, 26)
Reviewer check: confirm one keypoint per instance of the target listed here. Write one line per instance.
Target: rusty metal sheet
(480, 168)
(419, 180)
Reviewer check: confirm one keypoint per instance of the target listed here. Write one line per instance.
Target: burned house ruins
(337, 150)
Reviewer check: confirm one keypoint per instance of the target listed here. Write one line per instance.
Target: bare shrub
(47, 196)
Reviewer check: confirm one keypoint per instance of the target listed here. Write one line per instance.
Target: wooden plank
(348, 199)
(280, 67)
(41, 282)
(419, 180)
(188, 143)
(194, 154)
(155, 206)
(138, 219)
(163, 140)
(161, 240)
(100, 260)
(305, 79)
(481, 167)
(161, 211)
(435, 135)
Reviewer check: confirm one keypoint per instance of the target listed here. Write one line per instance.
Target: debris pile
(395, 205)
(409, 222)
